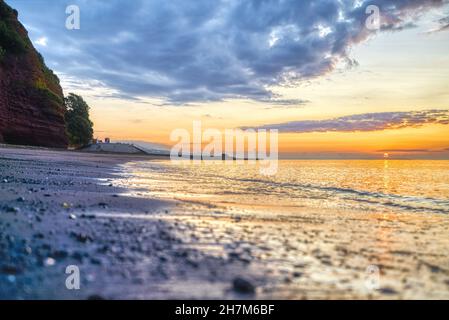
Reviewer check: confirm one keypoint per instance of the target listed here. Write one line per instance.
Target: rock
(11, 269)
(66, 205)
(88, 216)
(242, 285)
(49, 262)
(388, 290)
(72, 216)
(60, 254)
(82, 237)
(31, 98)
(78, 256)
(95, 261)
(38, 235)
(20, 199)
(13, 209)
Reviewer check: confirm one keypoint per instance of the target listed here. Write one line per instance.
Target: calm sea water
(384, 185)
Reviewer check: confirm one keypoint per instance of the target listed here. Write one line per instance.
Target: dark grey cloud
(443, 24)
(405, 150)
(198, 51)
(364, 122)
(274, 103)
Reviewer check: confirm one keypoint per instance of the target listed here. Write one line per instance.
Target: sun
(386, 155)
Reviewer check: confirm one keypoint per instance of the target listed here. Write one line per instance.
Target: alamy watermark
(373, 20)
(372, 279)
(72, 281)
(236, 145)
(73, 21)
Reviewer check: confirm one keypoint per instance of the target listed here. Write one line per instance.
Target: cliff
(31, 99)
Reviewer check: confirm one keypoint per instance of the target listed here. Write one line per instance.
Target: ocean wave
(224, 183)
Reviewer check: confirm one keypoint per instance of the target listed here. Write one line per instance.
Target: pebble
(387, 290)
(88, 216)
(72, 216)
(95, 261)
(49, 262)
(66, 205)
(242, 285)
(13, 209)
(82, 237)
(60, 254)
(78, 256)
(10, 269)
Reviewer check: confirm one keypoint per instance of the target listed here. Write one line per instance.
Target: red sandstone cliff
(31, 99)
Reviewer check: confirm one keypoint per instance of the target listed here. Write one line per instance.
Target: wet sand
(60, 208)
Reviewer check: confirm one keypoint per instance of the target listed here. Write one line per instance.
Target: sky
(311, 69)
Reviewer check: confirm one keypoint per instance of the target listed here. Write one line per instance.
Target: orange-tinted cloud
(365, 122)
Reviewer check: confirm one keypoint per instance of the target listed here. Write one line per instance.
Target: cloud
(441, 25)
(41, 42)
(444, 24)
(404, 150)
(199, 51)
(364, 122)
(413, 150)
(275, 103)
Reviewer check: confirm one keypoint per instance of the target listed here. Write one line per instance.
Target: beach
(136, 231)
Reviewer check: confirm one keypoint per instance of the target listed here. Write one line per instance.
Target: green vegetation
(49, 75)
(50, 95)
(40, 84)
(79, 126)
(10, 40)
(2, 53)
(42, 90)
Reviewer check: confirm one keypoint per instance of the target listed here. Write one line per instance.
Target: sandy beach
(60, 208)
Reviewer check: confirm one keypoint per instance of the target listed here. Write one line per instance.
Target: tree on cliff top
(79, 127)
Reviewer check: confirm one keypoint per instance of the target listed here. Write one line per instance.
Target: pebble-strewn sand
(63, 208)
